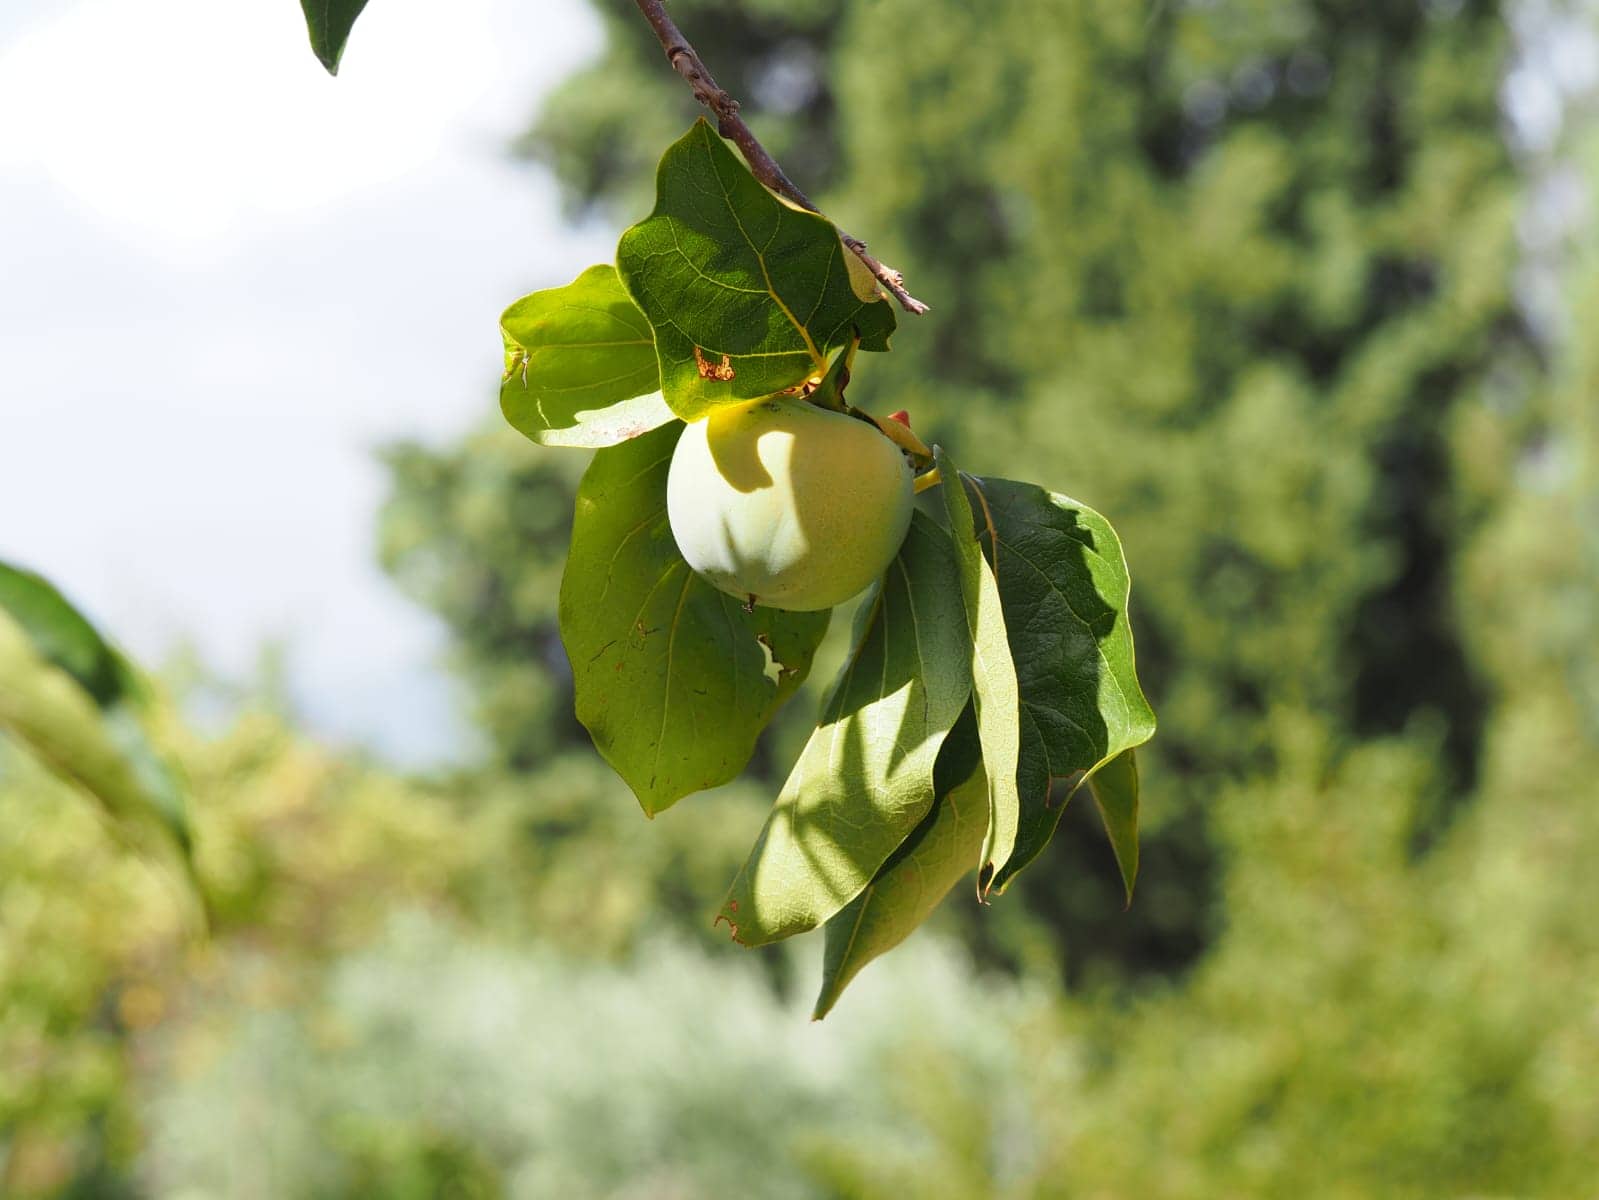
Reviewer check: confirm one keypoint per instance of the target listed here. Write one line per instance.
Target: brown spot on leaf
(722, 372)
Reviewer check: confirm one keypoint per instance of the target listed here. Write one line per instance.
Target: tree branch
(687, 63)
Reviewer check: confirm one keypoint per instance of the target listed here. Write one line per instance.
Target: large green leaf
(1064, 586)
(674, 679)
(747, 294)
(71, 699)
(329, 23)
(918, 875)
(580, 364)
(995, 693)
(1115, 788)
(865, 778)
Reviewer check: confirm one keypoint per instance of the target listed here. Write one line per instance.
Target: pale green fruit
(787, 504)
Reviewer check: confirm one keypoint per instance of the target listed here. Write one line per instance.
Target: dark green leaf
(1115, 788)
(580, 364)
(747, 295)
(918, 875)
(865, 779)
(1064, 585)
(994, 689)
(329, 23)
(674, 679)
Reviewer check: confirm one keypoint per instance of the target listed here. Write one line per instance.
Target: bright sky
(224, 279)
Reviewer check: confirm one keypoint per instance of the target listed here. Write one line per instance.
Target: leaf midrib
(817, 357)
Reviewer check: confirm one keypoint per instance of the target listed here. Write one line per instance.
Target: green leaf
(329, 23)
(994, 689)
(865, 778)
(674, 679)
(66, 638)
(918, 875)
(580, 364)
(747, 294)
(74, 701)
(1115, 788)
(1064, 586)
(45, 708)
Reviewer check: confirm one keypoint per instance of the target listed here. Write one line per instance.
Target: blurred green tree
(1230, 273)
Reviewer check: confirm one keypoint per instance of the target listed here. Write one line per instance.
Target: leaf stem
(686, 62)
(829, 392)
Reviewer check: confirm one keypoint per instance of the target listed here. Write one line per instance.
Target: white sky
(224, 279)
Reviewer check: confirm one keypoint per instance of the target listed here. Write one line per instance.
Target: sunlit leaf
(865, 778)
(1064, 586)
(994, 689)
(329, 22)
(918, 875)
(674, 679)
(747, 295)
(580, 364)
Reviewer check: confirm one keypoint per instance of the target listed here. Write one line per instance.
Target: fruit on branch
(786, 504)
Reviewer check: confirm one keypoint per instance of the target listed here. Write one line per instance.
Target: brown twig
(687, 63)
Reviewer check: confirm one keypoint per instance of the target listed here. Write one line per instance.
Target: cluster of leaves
(991, 670)
(75, 701)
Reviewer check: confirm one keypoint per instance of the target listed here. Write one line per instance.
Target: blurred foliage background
(1268, 284)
